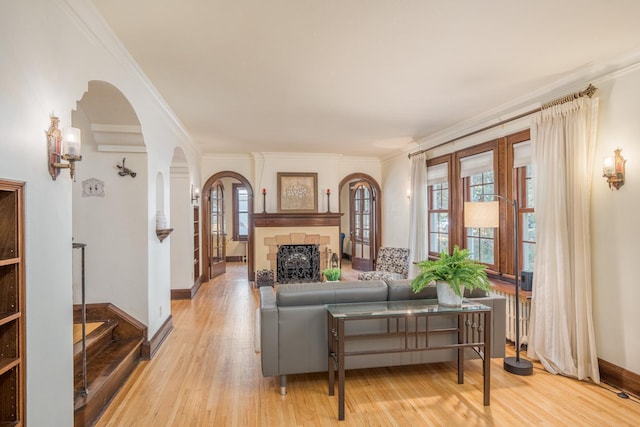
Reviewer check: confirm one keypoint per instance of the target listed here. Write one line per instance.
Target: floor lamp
(487, 215)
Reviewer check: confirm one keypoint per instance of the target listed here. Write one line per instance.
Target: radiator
(525, 311)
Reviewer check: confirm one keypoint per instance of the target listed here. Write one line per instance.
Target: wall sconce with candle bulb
(62, 145)
(195, 194)
(613, 170)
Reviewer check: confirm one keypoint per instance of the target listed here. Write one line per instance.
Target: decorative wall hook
(124, 171)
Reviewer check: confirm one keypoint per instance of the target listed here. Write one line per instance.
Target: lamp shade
(481, 214)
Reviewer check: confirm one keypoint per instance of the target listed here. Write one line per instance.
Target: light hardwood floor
(207, 374)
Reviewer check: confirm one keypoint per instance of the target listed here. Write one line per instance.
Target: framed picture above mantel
(297, 192)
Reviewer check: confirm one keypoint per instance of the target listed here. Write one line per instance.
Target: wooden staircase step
(96, 341)
(114, 349)
(107, 371)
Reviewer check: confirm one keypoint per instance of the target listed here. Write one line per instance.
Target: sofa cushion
(294, 294)
(380, 275)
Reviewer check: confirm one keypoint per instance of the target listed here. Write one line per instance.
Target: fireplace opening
(298, 263)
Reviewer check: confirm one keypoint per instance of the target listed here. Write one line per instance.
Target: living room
(56, 51)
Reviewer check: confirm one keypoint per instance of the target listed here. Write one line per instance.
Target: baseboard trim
(150, 347)
(181, 293)
(619, 377)
(187, 293)
(234, 258)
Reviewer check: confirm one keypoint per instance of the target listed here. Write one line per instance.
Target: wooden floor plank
(207, 374)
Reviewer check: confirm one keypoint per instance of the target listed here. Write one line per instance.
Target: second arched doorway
(360, 204)
(225, 195)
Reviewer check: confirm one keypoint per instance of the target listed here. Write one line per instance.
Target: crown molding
(90, 22)
(572, 82)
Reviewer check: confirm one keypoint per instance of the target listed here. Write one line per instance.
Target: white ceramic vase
(446, 296)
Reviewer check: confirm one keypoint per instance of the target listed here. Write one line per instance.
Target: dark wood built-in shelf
(12, 304)
(9, 261)
(196, 245)
(297, 219)
(7, 364)
(8, 317)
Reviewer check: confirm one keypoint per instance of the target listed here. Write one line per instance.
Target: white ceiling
(358, 77)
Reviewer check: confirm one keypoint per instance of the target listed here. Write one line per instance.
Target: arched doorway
(214, 203)
(104, 201)
(360, 204)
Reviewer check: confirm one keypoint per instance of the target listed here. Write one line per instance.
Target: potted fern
(452, 274)
(332, 274)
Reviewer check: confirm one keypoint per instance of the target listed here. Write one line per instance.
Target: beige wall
(615, 226)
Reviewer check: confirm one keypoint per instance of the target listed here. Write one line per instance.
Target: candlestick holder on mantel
(328, 200)
(264, 200)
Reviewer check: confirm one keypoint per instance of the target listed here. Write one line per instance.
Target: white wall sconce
(195, 194)
(613, 170)
(62, 146)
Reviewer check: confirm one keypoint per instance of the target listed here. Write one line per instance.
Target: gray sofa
(293, 326)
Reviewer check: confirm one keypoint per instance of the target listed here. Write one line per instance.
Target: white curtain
(418, 221)
(561, 332)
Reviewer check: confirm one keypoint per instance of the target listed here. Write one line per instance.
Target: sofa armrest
(268, 331)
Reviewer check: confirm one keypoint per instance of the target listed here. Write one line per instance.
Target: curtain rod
(589, 91)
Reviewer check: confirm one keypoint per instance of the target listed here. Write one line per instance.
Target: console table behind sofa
(293, 326)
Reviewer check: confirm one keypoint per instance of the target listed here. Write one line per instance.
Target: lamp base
(518, 367)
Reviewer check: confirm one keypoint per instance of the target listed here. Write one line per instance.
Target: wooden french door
(363, 226)
(218, 236)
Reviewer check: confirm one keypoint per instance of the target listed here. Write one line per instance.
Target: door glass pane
(366, 208)
(366, 251)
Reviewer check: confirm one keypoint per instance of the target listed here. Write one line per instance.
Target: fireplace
(298, 263)
(274, 230)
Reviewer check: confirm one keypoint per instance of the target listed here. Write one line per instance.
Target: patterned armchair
(392, 264)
